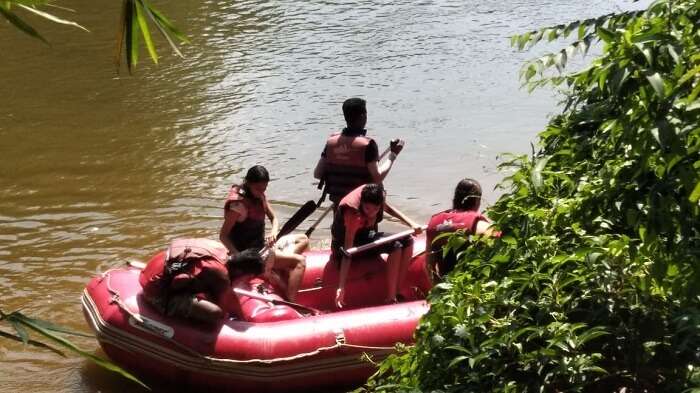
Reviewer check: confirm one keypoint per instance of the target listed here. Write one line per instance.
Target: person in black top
(351, 158)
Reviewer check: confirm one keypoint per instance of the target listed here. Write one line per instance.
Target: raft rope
(339, 339)
(116, 299)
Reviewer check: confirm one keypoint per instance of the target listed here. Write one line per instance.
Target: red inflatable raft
(272, 347)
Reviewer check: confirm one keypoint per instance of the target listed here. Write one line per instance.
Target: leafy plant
(133, 27)
(596, 284)
(23, 324)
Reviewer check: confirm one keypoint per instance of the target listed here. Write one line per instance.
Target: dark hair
(257, 174)
(372, 193)
(247, 261)
(354, 107)
(467, 195)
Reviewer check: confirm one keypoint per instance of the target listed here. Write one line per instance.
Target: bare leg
(406, 254)
(205, 311)
(296, 264)
(301, 243)
(393, 263)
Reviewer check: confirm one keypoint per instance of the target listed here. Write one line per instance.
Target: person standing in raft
(244, 227)
(465, 216)
(351, 158)
(355, 223)
(192, 281)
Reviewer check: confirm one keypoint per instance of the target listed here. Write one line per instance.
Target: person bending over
(355, 223)
(465, 216)
(244, 227)
(193, 287)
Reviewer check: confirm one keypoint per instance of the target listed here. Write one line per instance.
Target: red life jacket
(249, 233)
(351, 202)
(187, 260)
(451, 221)
(345, 167)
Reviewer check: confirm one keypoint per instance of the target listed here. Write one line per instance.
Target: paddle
(379, 242)
(318, 221)
(255, 295)
(297, 218)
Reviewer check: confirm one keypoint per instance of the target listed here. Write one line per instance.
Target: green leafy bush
(596, 285)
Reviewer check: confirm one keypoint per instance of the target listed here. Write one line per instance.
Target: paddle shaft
(379, 242)
(255, 295)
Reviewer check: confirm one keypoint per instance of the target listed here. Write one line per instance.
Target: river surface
(98, 167)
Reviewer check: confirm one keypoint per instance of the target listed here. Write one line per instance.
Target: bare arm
(379, 171)
(396, 213)
(273, 219)
(230, 218)
(320, 169)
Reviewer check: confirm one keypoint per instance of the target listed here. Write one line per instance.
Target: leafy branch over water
(23, 324)
(133, 26)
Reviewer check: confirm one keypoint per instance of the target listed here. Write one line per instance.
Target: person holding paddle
(351, 158)
(355, 223)
(244, 227)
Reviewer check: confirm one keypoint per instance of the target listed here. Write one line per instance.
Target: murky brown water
(97, 168)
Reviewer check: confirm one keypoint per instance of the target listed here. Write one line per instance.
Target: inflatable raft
(272, 347)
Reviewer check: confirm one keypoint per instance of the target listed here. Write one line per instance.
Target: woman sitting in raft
(244, 227)
(191, 282)
(355, 223)
(464, 215)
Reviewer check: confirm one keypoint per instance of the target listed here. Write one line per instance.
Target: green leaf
(657, 83)
(34, 343)
(20, 24)
(52, 18)
(141, 18)
(21, 331)
(605, 34)
(695, 195)
(72, 347)
(536, 176)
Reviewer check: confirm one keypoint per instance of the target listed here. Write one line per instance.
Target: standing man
(351, 158)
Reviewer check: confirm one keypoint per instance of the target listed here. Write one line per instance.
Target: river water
(98, 167)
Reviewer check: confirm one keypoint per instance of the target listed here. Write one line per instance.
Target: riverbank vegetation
(595, 286)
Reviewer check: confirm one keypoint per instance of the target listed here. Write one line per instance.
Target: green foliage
(22, 324)
(596, 284)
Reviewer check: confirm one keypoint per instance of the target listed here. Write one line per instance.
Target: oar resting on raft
(379, 242)
(259, 296)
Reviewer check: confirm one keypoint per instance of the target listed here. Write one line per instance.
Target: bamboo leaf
(35, 343)
(52, 18)
(162, 29)
(20, 24)
(49, 326)
(145, 31)
(21, 331)
(165, 22)
(72, 347)
(121, 35)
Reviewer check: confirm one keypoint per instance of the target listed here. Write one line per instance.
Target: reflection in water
(98, 168)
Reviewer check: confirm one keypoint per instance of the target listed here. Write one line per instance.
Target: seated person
(244, 227)
(464, 215)
(192, 284)
(355, 224)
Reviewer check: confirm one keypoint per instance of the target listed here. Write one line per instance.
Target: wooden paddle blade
(302, 214)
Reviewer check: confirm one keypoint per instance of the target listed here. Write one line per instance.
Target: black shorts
(366, 237)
